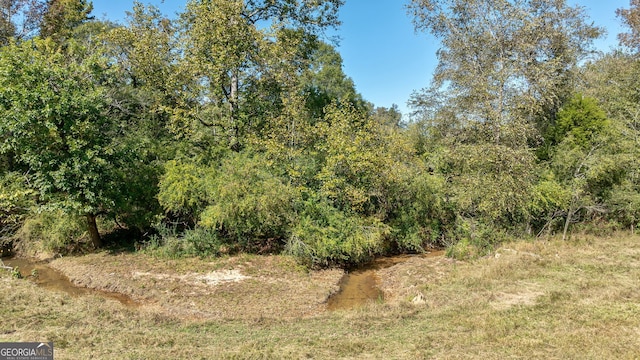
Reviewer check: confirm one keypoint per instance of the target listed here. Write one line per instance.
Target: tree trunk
(93, 231)
(233, 108)
(233, 94)
(567, 222)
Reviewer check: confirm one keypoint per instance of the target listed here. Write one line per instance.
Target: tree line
(232, 127)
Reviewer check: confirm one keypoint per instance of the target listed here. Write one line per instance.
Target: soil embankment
(380, 281)
(233, 288)
(244, 287)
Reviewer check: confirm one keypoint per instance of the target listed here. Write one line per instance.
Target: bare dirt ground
(241, 287)
(244, 287)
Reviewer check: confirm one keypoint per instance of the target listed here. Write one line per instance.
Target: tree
(388, 116)
(19, 19)
(325, 81)
(631, 19)
(55, 120)
(63, 16)
(16, 200)
(145, 54)
(233, 47)
(505, 68)
(613, 80)
(589, 156)
(504, 64)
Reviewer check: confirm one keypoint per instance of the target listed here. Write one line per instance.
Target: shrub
(472, 238)
(168, 242)
(625, 204)
(183, 189)
(421, 212)
(204, 242)
(53, 231)
(326, 236)
(16, 200)
(248, 203)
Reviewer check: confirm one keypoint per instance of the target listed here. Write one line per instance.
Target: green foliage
(205, 242)
(54, 112)
(238, 122)
(145, 56)
(631, 19)
(248, 202)
(613, 80)
(243, 61)
(243, 198)
(492, 182)
(356, 155)
(60, 120)
(422, 211)
(548, 195)
(20, 19)
(590, 157)
(15, 273)
(504, 66)
(582, 120)
(548, 201)
(326, 236)
(624, 204)
(52, 231)
(165, 243)
(168, 242)
(16, 201)
(325, 82)
(473, 238)
(183, 188)
(590, 149)
(63, 16)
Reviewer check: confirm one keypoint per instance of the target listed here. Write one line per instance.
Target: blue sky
(383, 55)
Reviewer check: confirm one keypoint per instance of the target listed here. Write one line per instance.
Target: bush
(16, 200)
(472, 238)
(421, 212)
(169, 243)
(326, 236)
(624, 205)
(248, 203)
(549, 197)
(183, 189)
(204, 242)
(51, 231)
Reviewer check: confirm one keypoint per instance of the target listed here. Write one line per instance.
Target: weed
(15, 273)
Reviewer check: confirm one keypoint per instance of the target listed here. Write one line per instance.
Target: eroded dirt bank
(245, 287)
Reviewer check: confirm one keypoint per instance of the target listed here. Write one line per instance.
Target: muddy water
(361, 286)
(51, 279)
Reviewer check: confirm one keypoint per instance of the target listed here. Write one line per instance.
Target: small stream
(47, 277)
(361, 286)
(357, 287)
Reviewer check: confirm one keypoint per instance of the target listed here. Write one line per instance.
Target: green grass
(544, 300)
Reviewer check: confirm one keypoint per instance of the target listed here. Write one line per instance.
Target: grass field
(578, 299)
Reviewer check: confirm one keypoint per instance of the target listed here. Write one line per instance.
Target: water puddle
(361, 286)
(46, 277)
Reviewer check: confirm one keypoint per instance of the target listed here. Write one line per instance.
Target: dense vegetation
(233, 128)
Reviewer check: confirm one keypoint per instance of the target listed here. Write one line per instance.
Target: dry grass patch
(536, 300)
